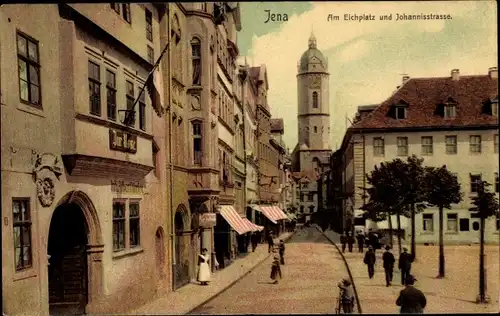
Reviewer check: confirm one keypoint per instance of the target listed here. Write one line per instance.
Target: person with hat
(346, 296)
(350, 240)
(361, 240)
(389, 260)
(343, 241)
(405, 260)
(369, 260)
(281, 248)
(411, 299)
(275, 269)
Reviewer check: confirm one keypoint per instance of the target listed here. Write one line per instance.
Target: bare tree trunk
(391, 236)
(482, 276)
(413, 245)
(399, 232)
(441, 244)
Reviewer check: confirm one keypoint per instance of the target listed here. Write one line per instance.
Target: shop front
(273, 218)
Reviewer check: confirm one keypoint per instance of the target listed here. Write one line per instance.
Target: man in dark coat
(270, 242)
(369, 260)
(361, 241)
(411, 299)
(405, 260)
(255, 240)
(343, 241)
(281, 248)
(350, 241)
(389, 260)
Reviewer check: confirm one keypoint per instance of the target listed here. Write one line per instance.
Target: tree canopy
(485, 202)
(442, 187)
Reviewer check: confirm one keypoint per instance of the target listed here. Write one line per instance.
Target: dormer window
(400, 111)
(449, 108)
(494, 107)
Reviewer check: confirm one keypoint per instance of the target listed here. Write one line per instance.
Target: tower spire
(312, 38)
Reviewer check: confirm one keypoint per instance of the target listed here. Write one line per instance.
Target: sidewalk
(454, 294)
(192, 295)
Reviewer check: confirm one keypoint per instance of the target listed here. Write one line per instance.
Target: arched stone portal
(182, 223)
(75, 248)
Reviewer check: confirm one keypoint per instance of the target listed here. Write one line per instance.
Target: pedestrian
(254, 240)
(389, 260)
(270, 242)
(411, 299)
(350, 241)
(346, 296)
(275, 270)
(203, 267)
(369, 260)
(343, 241)
(405, 260)
(361, 241)
(281, 247)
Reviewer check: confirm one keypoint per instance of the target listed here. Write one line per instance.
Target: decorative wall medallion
(195, 102)
(45, 191)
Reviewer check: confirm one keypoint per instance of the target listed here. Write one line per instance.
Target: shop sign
(208, 220)
(127, 187)
(122, 141)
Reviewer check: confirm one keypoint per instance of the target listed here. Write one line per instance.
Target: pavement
(185, 299)
(456, 293)
(312, 269)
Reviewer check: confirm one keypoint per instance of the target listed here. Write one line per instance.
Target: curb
(236, 280)
(360, 311)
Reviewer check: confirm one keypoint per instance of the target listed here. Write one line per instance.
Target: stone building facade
(450, 121)
(312, 154)
(84, 211)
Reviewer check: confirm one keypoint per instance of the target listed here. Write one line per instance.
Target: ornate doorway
(67, 248)
(181, 258)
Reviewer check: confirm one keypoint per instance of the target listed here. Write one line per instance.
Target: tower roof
(312, 59)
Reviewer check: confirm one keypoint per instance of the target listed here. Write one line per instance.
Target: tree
(485, 205)
(442, 190)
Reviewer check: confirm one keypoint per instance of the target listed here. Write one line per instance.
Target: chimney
(405, 78)
(455, 74)
(493, 72)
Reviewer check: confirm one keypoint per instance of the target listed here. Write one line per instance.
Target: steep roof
(277, 125)
(425, 98)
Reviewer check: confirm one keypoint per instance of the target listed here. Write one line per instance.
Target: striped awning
(273, 213)
(254, 227)
(234, 219)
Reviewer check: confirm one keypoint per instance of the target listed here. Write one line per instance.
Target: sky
(366, 59)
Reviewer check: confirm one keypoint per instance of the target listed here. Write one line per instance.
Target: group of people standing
(371, 239)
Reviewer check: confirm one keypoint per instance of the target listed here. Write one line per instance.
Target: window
(115, 6)
(315, 100)
(134, 224)
(203, 7)
(111, 94)
(378, 146)
(475, 226)
(464, 224)
(21, 222)
(426, 145)
(449, 111)
(475, 180)
(315, 129)
(402, 146)
(495, 143)
(196, 60)
(118, 225)
(126, 12)
(151, 55)
(400, 112)
(130, 103)
(428, 222)
(475, 143)
(142, 111)
(155, 151)
(149, 25)
(451, 224)
(301, 197)
(197, 153)
(29, 70)
(497, 183)
(95, 88)
(451, 145)
(310, 197)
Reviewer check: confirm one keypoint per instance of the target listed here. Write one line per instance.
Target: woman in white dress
(204, 267)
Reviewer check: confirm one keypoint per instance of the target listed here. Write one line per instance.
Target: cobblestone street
(313, 267)
(456, 293)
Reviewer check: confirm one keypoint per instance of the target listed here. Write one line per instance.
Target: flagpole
(128, 111)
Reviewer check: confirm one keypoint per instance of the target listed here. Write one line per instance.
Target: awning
(273, 213)
(253, 226)
(234, 219)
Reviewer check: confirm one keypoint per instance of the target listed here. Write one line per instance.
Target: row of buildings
(450, 121)
(110, 192)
